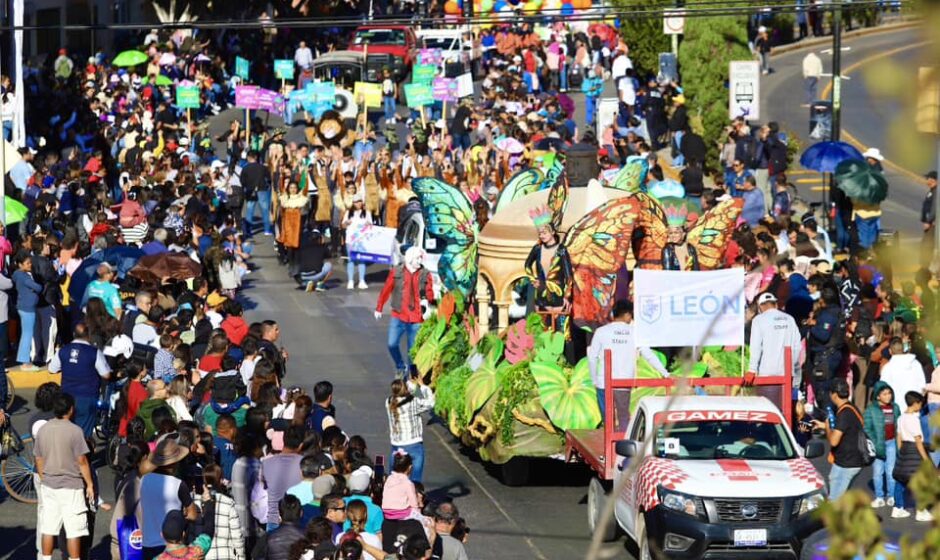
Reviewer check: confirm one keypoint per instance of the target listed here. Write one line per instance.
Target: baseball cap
(360, 479)
(323, 485)
(766, 297)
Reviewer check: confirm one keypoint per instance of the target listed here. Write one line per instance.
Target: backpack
(866, 447)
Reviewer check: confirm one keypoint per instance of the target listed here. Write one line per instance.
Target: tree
(709, 45)
(644, 34)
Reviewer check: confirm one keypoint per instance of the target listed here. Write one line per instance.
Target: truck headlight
(683, 503)
(810, 502)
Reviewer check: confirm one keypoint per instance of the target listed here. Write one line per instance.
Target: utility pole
(836, 72)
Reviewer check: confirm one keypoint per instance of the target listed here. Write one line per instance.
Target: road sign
(241, 67)
(284, 69)
(673, 23)
(187, 97)
(744, 89)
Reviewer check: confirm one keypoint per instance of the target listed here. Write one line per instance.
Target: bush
(644, 35)
(708, 47)
(781, 28)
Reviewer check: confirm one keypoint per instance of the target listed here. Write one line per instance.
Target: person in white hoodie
(772, 332)
(903, 373)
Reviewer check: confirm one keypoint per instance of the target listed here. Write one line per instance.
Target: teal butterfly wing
(554, 173)
(448, 214)
(519, 185)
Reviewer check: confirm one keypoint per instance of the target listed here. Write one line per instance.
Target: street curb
(32, 379)
(827, 41)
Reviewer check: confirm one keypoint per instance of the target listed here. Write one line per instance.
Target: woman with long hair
(357, 514)
(28, 291)
(406, 429)
(102, 327)
(180, 391)
(220, 513)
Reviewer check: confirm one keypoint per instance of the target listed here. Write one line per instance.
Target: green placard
(187, 97)
(423, 73)
(419, 95)
(241, 67)
(284, 69)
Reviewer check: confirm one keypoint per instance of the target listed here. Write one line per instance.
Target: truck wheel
(596, 502)
(642, 541)
(515, 472)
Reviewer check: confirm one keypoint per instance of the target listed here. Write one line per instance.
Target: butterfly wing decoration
(598, 245)
(632, 175)
(519, 185)
(649, 254)
(558, 194)
(449, 215)
(554, 172)
(711, 232)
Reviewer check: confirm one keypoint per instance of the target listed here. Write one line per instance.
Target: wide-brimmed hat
(167, 452)
(214, 299)
(873, 153)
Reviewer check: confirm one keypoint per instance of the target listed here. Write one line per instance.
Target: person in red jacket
(406, 285)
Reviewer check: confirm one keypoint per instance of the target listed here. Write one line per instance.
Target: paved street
(866, 118)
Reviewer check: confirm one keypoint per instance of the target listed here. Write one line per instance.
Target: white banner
(19, 124)
(371, 244)
(675, 308)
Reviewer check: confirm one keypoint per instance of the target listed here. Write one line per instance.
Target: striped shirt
(405, 425)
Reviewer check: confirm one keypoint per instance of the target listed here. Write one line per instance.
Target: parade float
(509, 393)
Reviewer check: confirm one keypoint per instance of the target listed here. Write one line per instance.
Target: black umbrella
(550, 143)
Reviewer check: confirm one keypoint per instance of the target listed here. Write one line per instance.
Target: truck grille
(767, 511)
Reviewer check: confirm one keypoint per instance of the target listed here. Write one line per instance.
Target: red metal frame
(605, 468)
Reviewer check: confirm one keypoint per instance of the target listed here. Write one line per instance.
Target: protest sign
(368, 93)
(187, 97)
(444, 89)
(465, 85)
(246, 97)
(284, 69)
(419, 95)
(430, 56)
(423, 74)
(241, 67)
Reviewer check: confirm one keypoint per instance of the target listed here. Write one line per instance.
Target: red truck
(386, 46)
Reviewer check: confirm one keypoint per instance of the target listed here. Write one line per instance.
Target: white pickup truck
(721, 477)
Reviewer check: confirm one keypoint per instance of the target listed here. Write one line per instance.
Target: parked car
(386, 46)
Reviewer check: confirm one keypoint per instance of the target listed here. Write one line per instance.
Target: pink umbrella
(510, 145)
(167, 59)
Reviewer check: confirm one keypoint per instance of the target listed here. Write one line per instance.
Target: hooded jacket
(799, 303)
(875, 419)
(903, 373)
(146, 410)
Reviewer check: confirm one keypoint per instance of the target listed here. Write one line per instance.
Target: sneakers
(900, 513)
(28, 367)
(923, 515)
(320, 287)
(402, 373)
(876, 503)
(363, 285)
(310, 286)
(890, 502)
(350, 285)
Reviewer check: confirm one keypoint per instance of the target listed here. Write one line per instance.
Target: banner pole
(248, 128)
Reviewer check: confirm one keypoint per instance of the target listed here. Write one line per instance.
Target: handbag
(130, 538)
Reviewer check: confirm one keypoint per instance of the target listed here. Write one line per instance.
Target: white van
(456, 48)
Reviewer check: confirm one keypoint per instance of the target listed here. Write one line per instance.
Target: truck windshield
(712, 439)
(380, 37)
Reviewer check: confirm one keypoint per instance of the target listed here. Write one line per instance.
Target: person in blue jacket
(825, 341)
(28, 292)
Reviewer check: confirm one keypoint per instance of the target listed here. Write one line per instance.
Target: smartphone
(379, 467)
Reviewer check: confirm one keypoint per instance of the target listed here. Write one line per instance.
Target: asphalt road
(867, 118)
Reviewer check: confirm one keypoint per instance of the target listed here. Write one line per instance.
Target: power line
(690, 10)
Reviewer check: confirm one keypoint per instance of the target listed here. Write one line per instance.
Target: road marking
(852, 139)
(813, 180)
(510, 519)
(802, 172)
(819, 188)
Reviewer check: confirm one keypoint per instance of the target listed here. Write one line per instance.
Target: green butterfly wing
(519, 185)
(449, 215)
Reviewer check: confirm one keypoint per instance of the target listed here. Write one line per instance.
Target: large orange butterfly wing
(649, 254)
(711, 232)
(598, 245)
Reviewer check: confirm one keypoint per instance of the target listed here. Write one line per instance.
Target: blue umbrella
(666, 188)
(122, 258)
(824, 157)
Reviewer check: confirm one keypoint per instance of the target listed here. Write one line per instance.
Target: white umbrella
(9, 157)
(167, 59)
(202, 58)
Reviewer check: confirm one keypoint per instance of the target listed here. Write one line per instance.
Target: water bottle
(832, 417)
